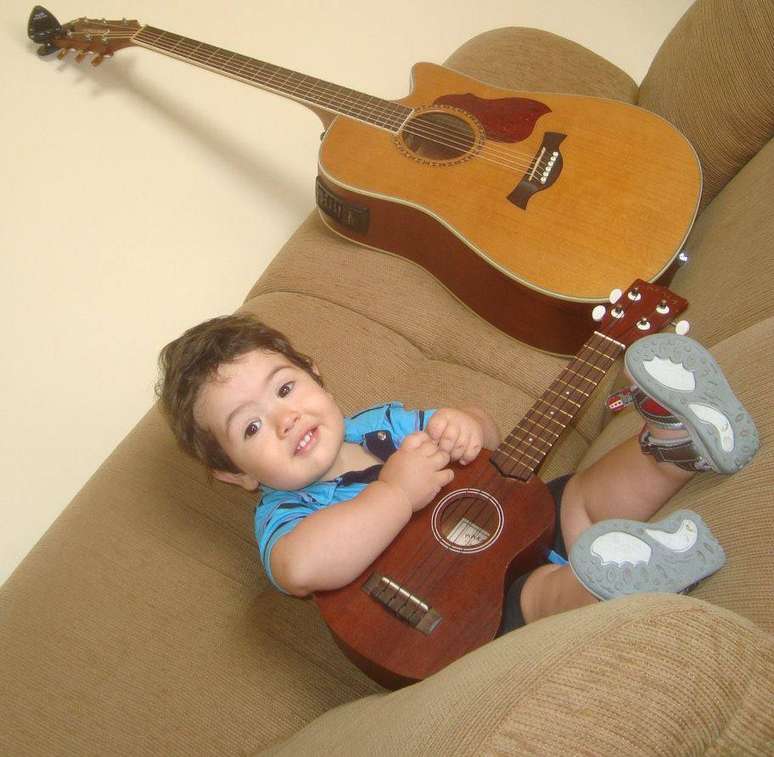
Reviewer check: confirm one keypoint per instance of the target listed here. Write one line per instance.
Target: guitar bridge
(402, 603)
(546, 167)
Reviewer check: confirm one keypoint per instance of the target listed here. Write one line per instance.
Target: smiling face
(273, 420)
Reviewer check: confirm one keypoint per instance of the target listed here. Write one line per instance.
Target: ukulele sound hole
(438, 137)
(467, 520)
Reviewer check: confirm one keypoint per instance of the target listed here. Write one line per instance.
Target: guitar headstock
(641, 310)
(86, 35)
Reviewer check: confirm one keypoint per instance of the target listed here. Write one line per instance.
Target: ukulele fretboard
(525, 448)
(305, 89)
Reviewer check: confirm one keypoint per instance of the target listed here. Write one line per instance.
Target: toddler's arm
(332, 547)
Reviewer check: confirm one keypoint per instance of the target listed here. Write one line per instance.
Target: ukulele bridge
(402, 603)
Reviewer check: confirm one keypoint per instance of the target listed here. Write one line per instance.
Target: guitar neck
(308, 90)
(525, 448)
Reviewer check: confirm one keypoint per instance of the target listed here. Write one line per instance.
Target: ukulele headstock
(643, 309)
(100, 37)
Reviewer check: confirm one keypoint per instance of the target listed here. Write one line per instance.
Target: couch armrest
(651, 674)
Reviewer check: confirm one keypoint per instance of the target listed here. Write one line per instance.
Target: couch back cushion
(538, 61)
(727, 280)
(713, 78)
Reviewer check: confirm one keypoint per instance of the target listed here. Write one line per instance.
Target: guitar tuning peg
(681, 327)
(63, 53)
(97, 59)
(615, 295)
(81, 55)
(598, 313)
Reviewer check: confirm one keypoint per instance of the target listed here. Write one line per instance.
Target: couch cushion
(538, 61)
(653, 674)
(737, 508)
(713, 78)
(142, 624)
(728, 278)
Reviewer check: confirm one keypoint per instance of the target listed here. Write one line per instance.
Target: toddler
(336, 491)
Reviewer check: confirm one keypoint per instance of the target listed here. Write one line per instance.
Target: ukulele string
(438, 134)
(436, 572)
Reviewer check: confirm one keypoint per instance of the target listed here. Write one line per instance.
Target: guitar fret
(327, 95)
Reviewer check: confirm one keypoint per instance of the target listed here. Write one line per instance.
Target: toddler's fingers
(416, 440)
(436, 427)
(471, 453)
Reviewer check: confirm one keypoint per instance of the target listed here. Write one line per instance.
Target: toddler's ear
(245, 480)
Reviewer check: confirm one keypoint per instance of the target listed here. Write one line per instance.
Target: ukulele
(437, 591)
(528, 207)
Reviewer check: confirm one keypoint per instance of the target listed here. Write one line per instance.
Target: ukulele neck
(525, 448)
(308, 90)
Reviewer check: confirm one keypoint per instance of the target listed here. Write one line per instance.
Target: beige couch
(142, 622)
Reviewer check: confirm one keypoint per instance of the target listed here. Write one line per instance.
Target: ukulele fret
(524, 449)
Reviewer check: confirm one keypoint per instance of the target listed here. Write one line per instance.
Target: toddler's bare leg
(624, 483)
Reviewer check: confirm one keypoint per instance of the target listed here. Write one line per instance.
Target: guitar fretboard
(305, 89)
(525, 448)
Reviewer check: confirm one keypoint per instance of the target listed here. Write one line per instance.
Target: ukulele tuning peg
(681, 327)
(615, 295)
(598, 313)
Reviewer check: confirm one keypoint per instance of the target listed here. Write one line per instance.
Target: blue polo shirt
(381, 430)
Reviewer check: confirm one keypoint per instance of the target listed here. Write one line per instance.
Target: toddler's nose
(287, 422)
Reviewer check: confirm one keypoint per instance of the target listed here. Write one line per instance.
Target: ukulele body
(456, 558)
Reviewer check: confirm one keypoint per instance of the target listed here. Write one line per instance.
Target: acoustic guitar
(528, 207)
(437, 592)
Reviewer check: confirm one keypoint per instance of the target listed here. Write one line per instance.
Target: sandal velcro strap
(680, 452)
(649, 409)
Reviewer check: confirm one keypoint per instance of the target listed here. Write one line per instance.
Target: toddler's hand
(418, 469)
(456, 432)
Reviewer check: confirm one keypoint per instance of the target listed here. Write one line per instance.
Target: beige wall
(146, 195)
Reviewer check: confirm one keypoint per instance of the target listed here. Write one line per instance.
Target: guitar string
(501, 484)
(529, 428)
(439, 134)
(436, 572)
(458, 566)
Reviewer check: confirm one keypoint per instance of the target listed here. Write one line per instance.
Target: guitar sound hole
(438, 136)
(467, 520)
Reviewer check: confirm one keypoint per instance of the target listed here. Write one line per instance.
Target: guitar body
(530, 257)
(443, 558)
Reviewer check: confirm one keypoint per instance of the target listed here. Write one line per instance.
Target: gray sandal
(617, 557)
(683, 378)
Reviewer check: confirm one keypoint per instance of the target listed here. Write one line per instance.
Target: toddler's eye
(252, 429)
(286, 389)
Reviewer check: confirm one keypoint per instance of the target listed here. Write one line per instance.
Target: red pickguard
(508, 119)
